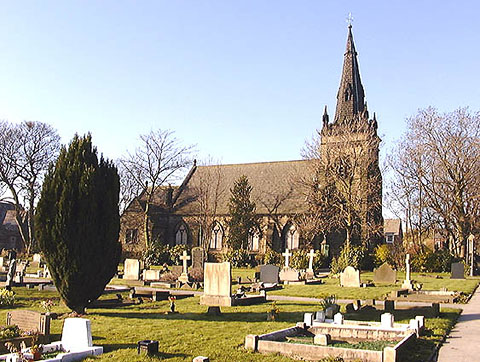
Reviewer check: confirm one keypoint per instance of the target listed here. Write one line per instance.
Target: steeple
(350, 96)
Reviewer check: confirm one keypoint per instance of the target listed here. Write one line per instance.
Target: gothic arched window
(292, 240)
(216, 240)
(181, 236)
(253, 240)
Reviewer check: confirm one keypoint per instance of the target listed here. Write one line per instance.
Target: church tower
(350, 152)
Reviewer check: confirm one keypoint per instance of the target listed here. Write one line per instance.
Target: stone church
(196, 212)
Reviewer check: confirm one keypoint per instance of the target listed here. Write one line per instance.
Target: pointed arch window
(292, 240)
(181, 236)
(216, 240)
(253, 240)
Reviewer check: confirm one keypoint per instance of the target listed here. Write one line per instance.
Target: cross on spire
(185, 259)
(349, 20)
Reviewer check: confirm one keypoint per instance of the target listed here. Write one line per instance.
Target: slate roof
(392, 226)
(273, 183)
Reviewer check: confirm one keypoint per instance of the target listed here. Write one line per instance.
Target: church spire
(350, 97)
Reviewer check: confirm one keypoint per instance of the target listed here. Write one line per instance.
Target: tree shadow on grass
(293, 317)
(160, 355)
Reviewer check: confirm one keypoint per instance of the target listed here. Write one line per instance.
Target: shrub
(432, 262)
(349, 256)
(156, 254)
(273, 257)
(328, 301)
(175, 253)
(7, 298)
(77, 223)
(382, 254)
(238, 258)
(301, 258)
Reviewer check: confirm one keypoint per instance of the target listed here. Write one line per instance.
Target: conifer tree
(243, 219)
(77, 223)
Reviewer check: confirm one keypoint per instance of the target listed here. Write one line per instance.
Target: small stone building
(175, 213)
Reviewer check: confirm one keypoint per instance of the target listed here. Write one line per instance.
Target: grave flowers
(273, 312)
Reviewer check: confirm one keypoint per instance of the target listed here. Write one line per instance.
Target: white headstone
(217, 289)
(287, 256)
(37, 258)
(407, 267)
(338, 318)
(131, 269)
(350, 277)
(386, 320)
(308, 319)
(76, 334)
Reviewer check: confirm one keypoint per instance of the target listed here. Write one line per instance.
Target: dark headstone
(389, 305)
(458, 270)
(269, 273)
(349, 308)
(197, 258)
(435, 309)
(385, 274)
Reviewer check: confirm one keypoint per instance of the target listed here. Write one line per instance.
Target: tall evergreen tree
(77, 223)
(243, 219)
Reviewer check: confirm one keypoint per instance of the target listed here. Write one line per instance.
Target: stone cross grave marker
(350, 277)
(131, 269)
(269, 273)
(184, 276)
(311, 255)
(384, 274)
(287, 256)
(217, 291)
(458, 270)
(407, 283)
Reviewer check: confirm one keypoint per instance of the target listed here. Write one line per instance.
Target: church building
(196, 212)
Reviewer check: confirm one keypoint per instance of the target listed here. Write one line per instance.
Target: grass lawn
(331, 286)
(192, 333)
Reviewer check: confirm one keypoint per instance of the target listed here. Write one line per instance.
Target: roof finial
(349, 20)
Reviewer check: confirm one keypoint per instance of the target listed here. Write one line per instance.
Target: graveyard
(135, 312)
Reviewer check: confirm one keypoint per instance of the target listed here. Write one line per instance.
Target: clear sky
(245, 81)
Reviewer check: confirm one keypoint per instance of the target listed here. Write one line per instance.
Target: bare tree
(208, 190)
(445, 177)
(156, 162)
(345, 181)
(26, 150)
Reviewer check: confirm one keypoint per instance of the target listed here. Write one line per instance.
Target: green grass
(331, 286)
(192, 333)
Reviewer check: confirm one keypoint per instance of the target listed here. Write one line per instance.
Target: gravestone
(37, 258)
(407, 283)
(384, 274)
(131, 269)
(217, 287)
(197, 258)
(269, 273)
(458, 271)
(76, 334)
(350, 277)
(184, 276)
(28, 320)
(310, 273)
(289, 275)
(287, 254)
(151, 275)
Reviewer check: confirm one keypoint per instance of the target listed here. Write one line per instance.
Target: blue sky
(245, 81)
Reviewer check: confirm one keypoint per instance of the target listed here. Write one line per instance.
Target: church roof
(275, 187)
